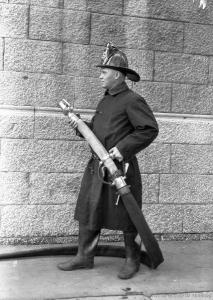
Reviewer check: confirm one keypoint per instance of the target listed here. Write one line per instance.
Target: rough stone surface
(193, 159)
(31, 89)
(75, 4)
(211, 70)
(150, 188)
(43, 156)
(13, 20)
(17, 88)
(142, 61)
(24, 55)
(39, 220)
(195, 99)
(18, 1)
(206, 236)
(47, 3)
(49, 126)
(155, 159)
(157, 94)
(51, 88)
(45, 23)
(17, 155)
(39, 240)
(137, 33)
(54, 188)
(179, 10)
(88, 92)
(184, 296)
(171, 10)
(163, 218)
(14, 188)
(50, 3)
(198, 39)
(80, 60)
(59, 25)
(185, 131)
(198, 218)
(181, 188)
(1, 53)
(16, 124)
(76, 27)
(181, 68)
(180, 237)
(105, 6)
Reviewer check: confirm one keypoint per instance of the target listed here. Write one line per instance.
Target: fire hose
(102, 250)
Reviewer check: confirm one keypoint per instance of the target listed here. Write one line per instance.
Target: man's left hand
(114, 153)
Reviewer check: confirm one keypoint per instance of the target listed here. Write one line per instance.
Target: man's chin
(104, 86)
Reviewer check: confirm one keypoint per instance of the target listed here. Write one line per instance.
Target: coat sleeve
(144, 128)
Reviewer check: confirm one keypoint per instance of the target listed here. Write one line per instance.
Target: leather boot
(132, 261)
(88, 240)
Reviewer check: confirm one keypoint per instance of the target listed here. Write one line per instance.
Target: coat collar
(117, 89)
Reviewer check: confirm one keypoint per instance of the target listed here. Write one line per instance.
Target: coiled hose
(102, 250)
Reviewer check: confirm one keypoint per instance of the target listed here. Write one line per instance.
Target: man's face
(108, 77)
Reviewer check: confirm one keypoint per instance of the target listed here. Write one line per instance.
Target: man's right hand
(114, 153)
(73, 123)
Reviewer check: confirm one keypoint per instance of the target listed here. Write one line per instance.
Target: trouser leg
(132, 261)
(87, 242)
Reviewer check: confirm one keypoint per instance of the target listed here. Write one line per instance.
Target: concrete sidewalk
(187, 273)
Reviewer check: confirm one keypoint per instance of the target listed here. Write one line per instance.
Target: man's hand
(73, 123)
(114, 153)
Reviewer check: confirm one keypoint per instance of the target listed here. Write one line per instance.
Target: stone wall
(48, 51)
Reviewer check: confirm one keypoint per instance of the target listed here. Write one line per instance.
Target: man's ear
(117, 75)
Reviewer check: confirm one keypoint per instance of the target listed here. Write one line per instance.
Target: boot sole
(75, 268)
(130, 276)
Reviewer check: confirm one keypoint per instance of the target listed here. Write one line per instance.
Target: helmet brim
(131, 74)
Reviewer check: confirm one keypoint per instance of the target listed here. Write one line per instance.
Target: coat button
(91, 171)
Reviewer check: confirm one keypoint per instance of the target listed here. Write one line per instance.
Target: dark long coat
(122, 119)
